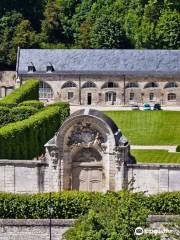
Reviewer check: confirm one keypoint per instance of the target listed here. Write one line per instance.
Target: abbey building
(103, 77)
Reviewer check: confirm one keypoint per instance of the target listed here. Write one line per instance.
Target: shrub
(4, 115)
(21, 113)
(27, 91)
(25, 139)
(8, 115)
(33, 103)
(113, 218)
(74, 204)
(178, 148)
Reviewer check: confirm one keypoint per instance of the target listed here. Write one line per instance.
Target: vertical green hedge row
(8, 115)
(25, 139)
(27, 91)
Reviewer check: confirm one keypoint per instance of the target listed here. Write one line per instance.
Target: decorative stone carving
(119, 156)
(54, 156)
(83, 135)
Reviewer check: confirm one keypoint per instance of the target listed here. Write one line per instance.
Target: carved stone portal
(91, 153)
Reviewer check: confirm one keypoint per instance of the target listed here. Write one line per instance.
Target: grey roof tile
(101, 61)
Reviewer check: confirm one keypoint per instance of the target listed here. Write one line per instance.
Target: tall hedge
(8, 115)
(25, 139)
(73, 204)
(27, 91)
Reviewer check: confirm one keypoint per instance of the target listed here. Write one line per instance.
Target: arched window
(110, 85)
(171, 97)
(110, 97)
(132, 85)
(171, 85)
(69, 84)
(89, 85)
(45, 91)
(151, 85)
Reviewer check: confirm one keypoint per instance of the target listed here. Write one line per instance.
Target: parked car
(147, 106)
(135, 107)
(157, 106)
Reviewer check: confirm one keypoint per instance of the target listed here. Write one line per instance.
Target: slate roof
(100, 61)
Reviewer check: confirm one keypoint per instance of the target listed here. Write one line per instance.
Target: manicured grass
(148, 127)
(155, 156)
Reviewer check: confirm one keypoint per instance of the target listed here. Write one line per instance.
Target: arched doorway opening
(87, 170)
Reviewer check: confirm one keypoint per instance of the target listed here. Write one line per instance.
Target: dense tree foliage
(151, 24)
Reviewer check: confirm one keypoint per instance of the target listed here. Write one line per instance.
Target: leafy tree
(108, 33)
(8, 24)
(51, 29)
(84, 38)
(168, 30)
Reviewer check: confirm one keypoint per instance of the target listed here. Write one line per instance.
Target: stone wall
(33, 229)
(23, 176)
(7, 82)
(154, 178)
(122, 91)
(39, 229)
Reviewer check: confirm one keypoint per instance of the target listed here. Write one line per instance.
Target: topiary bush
(8, 115)
(27, 91)
(32, 103)
(178, 148)
(71, 205)
(25, 139)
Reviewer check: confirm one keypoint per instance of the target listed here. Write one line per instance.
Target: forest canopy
(121, 24)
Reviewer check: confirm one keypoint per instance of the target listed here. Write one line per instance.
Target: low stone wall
(154, 178)
(39, 229)
(23, 176)
(33, 229)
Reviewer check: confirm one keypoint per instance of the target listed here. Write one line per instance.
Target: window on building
(171, 85)
(131, 96)
(110, 85)
(132, 85)
(151, 96)
(110, 97)
(89, 85)
(151, 85)
(31, 68)
(49, 69)
(171, 97)
(45, 91)
(69, 84)
(70, 95)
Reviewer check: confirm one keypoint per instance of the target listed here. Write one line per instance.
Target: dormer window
(31, 68)
(50, 68)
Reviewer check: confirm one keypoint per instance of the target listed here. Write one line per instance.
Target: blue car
(147, 106)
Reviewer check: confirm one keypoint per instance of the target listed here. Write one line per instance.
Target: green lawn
(155, 156)
(148, 127)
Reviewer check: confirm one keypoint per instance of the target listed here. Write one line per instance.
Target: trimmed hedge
(32, 103)
(25, 139)
(8, 115)
(178, 148)
(27, 91)
(73, 204)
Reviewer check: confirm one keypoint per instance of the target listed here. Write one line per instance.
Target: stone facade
(103, 77)
(7, 82)
(87, 154)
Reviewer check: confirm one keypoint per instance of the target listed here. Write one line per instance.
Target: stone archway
(87, 170)
(87, 154)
